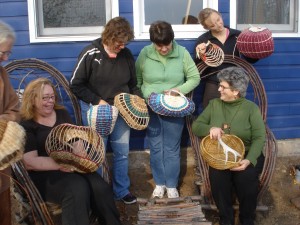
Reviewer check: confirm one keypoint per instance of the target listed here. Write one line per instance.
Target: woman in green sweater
(161, 67)
(234, 114)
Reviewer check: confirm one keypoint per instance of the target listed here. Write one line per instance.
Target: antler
(227, 149)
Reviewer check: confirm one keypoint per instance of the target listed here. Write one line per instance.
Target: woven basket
(102, 118)
(12, 141)
(76, 147)
(255, 42)
(133, 109)
(213, 56)
(212, 152)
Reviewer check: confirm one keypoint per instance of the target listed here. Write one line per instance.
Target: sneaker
(172, 193)
(159, 191)
(129, 199)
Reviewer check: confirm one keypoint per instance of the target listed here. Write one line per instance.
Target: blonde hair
(204, 14)
(6, 32)
(32, 91)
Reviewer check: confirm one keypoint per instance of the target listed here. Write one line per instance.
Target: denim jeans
(119, 142)
(164, 136)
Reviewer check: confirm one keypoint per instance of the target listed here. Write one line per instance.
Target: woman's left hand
(243, 165)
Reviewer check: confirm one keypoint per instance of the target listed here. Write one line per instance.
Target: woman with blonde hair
(77, 193)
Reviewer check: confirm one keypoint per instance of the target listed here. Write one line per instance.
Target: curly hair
(117, 29)
(237, 79)
(161, 33)
(6, 32)
(204, 14)
(32, 91)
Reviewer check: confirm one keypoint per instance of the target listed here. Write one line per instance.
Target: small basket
(77, 148)
(12, 142)
(212, 152)
(133, 109)
(213, 56)
(102, 118)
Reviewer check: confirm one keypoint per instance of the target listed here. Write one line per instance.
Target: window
(280, 16)
(173, 11)
(71, 20)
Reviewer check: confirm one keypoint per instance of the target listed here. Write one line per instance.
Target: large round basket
(256, 42)
(213, 153)
(77, 148)
(102, 118)
(133, 109)
(12, 141)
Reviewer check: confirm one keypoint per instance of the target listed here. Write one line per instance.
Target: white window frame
(233, 21)
(141, 31)
(92, 32)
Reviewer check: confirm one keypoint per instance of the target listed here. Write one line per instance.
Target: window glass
(277, 15)
(171, 12)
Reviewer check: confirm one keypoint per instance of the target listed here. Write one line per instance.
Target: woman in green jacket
(233, 114)
(161, 67)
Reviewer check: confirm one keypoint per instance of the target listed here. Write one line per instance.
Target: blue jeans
(164, 136)
(119, 142)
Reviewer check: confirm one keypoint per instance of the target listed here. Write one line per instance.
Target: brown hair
(161, 33)
(204, 14)
(117, 30)
(34, 90)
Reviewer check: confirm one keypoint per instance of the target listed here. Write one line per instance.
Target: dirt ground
(281, 191)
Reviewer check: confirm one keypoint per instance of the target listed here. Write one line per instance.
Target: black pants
(78, 194)
(244, 183)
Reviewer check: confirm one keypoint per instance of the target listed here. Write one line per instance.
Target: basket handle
(177, 92)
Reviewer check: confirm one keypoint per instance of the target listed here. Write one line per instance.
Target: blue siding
(279, 72)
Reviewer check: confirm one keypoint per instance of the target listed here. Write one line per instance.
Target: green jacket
(245, 121)
(156, 73)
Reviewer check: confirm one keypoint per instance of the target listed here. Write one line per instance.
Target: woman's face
(5, 49)
(45, 104)
(117, 46)
(226, 92)
(214, 22)
(164, 49)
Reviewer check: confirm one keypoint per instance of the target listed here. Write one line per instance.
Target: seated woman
(233, 114)
(77, 193)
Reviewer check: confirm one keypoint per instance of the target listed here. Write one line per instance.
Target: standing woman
(105, 69)
(77, 193)
(233, 114)
(161, 67)
(222, 36)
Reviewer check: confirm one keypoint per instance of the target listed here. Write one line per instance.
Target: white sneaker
(172, 193)
(159, 191)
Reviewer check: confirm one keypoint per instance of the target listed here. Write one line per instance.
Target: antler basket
(133, 109)
(76, 147)
(214, 55)
(12, 141)
(213, 153)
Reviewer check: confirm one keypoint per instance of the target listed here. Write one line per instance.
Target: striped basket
(102, 118)
(133, 109)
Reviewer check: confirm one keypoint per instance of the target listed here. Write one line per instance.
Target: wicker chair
(21, 72)
(270, 150)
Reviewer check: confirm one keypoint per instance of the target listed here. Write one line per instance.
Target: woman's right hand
(201, 48)
(215, 133)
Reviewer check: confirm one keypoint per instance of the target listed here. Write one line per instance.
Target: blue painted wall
(279, 72)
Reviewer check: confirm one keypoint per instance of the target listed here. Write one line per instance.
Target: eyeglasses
(120, 44)
(7, 53)
(47, 98)
(223, 87)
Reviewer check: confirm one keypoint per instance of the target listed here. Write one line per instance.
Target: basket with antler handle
(77, 148)
(213, 55)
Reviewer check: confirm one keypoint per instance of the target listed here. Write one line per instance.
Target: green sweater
(244, 118)
(157, 73)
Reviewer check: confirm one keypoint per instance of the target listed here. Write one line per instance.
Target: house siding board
(279, 72)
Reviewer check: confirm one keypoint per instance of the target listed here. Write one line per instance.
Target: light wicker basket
(213, 153)
(76, 147)
(133, 109)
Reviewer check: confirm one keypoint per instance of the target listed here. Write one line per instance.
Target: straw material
(214, 155)
(256, 42)
(75, 147)
(102, 118)
(12, 141)
(133, 109)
